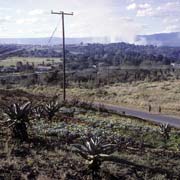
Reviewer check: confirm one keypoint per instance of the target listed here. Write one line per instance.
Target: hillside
(91, 54)
(162, 39)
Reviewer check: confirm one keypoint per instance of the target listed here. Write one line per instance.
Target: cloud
(144, 10)
(164, 10)
(172, 28)
(130, 1)
(117, 19)
(167, 9)
(19, 11)
(5, 19)
(170, 6)
(131, 6)
(117, 29)
(27, 21)
(126, 19)
(98, 20)
(144, 6)
(170, 15)
(171, 20)
(36, 12)
(5, 8)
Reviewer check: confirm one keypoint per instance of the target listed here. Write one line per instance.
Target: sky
(117, 19)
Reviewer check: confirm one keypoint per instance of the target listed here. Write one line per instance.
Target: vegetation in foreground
(79, 142)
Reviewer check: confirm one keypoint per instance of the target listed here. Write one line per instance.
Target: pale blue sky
(113, 18)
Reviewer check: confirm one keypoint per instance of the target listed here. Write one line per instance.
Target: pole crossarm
(62, 13)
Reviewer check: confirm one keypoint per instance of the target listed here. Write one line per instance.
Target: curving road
(157, 118)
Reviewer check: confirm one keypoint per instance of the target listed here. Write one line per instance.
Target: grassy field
(136, 95)
(13, 60)
(141, 150)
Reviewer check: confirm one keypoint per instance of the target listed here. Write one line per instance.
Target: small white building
(43, 68)
(175, 65)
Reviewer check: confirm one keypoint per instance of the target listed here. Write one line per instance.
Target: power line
(51, 37)
(62, 13)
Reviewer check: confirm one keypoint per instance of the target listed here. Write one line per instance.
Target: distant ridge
(54, 41)
(161, 39)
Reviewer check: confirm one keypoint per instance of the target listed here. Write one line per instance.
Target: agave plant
(18, 119)
(165, 129)
(52, 108)
(38, 111)
(93, 150)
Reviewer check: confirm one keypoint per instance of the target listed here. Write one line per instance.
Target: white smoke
(141, 41)
(96, 19)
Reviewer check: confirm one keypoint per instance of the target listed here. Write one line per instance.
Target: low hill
(162, 39)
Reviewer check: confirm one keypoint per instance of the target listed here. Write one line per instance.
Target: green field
(13, 60)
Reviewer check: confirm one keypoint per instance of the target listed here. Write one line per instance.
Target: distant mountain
(54, 41)
(162, 39)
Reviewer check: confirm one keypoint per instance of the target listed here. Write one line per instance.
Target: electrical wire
(7, 54)
(51, 37)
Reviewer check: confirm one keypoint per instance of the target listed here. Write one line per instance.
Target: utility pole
(62, 13)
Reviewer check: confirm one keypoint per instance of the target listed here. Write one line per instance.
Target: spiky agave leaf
(94, 147)
(18, 119)
(26, 107)
(38, 111)
(165, 129)
(94, 150)
(18, 112)
(52, 108)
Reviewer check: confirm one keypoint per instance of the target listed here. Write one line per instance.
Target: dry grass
(136, 95)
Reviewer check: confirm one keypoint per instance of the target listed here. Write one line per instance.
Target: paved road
(157, 118)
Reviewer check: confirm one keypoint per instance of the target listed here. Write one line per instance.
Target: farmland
(12, 61)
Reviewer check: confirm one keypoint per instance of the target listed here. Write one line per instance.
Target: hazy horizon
(119, 20)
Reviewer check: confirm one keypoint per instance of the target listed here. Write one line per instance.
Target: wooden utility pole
(62, 13)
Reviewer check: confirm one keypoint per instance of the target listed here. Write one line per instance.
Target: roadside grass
(138, 95)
